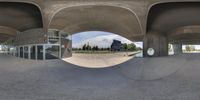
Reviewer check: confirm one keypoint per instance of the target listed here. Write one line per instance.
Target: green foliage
(129, 47)
(125, 47)
(84, 47)
(190, 48)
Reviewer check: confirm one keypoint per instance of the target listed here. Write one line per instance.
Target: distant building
(116, 45)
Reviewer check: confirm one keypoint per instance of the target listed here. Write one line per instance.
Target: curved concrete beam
(185, 30)
(97, 18)
(165, 16)
(20, 15)
(8, 31)
(38, 3)
(186, 34)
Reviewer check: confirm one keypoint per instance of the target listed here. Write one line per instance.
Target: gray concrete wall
(158, 42)
(32, 36)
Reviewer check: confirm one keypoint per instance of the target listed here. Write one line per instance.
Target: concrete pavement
(98, 60)
(22, 79)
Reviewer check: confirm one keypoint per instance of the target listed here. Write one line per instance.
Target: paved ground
(99, 60)
(57, 80)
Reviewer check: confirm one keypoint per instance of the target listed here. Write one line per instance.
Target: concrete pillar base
(158, 42)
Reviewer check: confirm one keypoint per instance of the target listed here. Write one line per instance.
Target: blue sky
(79, 37)
(101, 39)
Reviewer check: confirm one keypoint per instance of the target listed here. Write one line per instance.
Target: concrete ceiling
(168, 17)
(18, 17)
(129, 18)
(97, 18)
(4, 37)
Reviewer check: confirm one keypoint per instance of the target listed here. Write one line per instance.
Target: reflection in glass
(32, 52)
(53, 37)
(21, 52)
(66, 45)
(52, 51)
(40, 52)
(26, 52)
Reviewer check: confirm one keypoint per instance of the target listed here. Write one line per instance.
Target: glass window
(26, 52)
(33, 52)
(21, 52)
(53, 37)
(40, 52)
(66, 45)
(53, 40)
(52, 51)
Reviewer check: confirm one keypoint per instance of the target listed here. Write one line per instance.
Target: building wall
(32, 36)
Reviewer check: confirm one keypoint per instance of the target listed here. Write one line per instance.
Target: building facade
(116, 45)
(33, 44)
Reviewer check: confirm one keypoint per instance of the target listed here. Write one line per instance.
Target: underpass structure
(41, 29)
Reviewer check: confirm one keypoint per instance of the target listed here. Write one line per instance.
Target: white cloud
(103, 41)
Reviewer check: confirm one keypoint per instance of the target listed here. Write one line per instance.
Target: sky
(101, 39)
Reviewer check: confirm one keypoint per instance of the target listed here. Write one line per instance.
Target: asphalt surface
(162, 78)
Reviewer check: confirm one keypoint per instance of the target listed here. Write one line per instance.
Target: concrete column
(158, 42)
(60, 47)
(18, 52)
(23, 52)
(36, 51)
(44, 52)
(29, 52)
(177, 48)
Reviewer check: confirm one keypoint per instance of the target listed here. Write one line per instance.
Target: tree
(125, 46)
(187, 48)
(190, 48)
(84, 47)
(107, 48)
(93, 48)
(138, 48)
(97, 48)
(88, 47)
(131, 47)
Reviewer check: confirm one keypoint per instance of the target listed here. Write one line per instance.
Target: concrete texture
(22, 79)
(139, 16)
(158, 42)
(176, 21)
